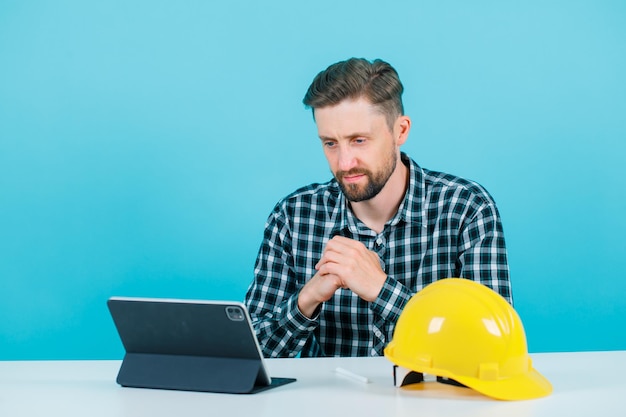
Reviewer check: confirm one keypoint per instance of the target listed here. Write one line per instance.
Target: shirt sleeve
(391, 300)
(482, 251)
(272, 298)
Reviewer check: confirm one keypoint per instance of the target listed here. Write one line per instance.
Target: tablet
(190, 345)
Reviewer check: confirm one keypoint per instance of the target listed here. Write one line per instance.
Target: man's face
(359, 146)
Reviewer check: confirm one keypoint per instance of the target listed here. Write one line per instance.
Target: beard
(376, 181)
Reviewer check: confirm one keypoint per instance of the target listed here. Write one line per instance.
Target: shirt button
(379, 241)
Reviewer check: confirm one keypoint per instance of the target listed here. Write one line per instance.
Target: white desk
(585, 384)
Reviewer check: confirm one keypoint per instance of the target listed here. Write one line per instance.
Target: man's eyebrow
(351, 136)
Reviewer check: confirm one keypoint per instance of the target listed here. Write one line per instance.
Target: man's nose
(347, 159)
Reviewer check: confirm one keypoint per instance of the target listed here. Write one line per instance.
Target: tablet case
(207, 346)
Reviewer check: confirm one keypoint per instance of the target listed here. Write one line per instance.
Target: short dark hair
(377, 81)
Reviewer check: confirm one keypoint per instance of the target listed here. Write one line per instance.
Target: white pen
(352, 375)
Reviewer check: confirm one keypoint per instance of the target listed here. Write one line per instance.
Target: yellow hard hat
(462, 330)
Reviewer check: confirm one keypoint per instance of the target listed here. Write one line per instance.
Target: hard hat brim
(526, 386)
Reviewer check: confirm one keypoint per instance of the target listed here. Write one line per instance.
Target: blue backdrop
(143, 144)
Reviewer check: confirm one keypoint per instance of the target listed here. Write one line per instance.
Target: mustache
(354, 171)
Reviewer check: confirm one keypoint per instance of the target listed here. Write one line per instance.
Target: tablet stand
(194, 373)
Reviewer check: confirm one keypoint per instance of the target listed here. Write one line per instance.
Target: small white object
(352, 375)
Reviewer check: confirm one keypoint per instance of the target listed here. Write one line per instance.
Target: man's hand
(318, 289)
(355, 266)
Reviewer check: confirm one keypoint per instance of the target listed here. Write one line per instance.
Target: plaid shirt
(445, 227)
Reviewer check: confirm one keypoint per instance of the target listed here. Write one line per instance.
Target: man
(339, 260)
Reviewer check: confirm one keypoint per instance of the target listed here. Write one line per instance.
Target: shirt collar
(413, 208)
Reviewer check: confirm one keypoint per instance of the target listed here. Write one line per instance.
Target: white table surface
(585, 384)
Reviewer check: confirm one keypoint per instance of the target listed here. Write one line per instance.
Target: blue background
(144, 143)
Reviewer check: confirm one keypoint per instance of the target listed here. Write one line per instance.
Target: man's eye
(329, 144)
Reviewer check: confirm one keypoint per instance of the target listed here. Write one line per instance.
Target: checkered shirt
(445, 227)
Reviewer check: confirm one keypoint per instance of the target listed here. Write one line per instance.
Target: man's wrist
(307, 305)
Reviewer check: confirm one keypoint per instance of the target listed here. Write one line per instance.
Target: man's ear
(401, 129)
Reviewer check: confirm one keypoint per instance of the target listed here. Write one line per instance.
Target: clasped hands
(345, 263)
